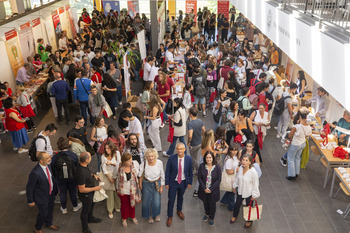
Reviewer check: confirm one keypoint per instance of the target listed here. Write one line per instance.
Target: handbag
(100, 195)
(252, 213)
(171, 133)
(213, 96)
(221, 81)
(340, 153)
(327, 131)
(260, 138)
(107, 184)
(227, 181)
(108, 111)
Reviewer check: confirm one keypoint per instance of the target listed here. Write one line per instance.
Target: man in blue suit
(41, 190)
(178, 176)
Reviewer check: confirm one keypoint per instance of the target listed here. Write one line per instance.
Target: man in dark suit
(178, 176)
(41, 190)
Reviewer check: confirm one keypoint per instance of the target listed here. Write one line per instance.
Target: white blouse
(264, 120)
(111, 169)
(247, 184)
(153, 173)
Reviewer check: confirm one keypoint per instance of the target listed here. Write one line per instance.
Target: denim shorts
(201, 100)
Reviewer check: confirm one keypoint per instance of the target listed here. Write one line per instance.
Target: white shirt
(169, 56)
(135, 127)
(153, 173)
(302, 131)
(180, 114)
(81, 53)
(182, 167)
(147, 70)
(44, 169)
(62, 44)
(187, 102)
(247, 184)
(91, 55)
(111, 169)
(231, 163)
(153, 73)
(40, 144)
(210, 52)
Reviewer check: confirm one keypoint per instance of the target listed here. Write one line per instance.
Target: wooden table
(332, 162)
(36, 85)
(342, 179)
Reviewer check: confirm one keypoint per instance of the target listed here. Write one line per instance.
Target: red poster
(24, 26)
(36, 22)
(133, 7)
(10, 34)
(60, 10)
(71, 21)
(191, 5)
(224, 8)
(56, 22)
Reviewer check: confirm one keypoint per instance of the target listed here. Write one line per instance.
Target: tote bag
(252, 213)
(227, 181)
(107, 184)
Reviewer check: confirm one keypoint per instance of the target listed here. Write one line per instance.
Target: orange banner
(191, 5)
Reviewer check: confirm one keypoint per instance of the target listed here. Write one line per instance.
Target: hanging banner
(26, 40)
(172, 8)
(133, 7)
(56, 22)
(13, 51)
(126, 75)
(191, 5)
(161, 22)
(111, 5)
(60, 10)
(224, 8)
(142, 44)
(35, 22)
(50, 32)
(71, 20)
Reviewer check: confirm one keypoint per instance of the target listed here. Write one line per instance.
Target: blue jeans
(84, 109)
(137, 75)
(165, 115)
(285, 155)
(151, 203)
(216, 125)
(120, 92)
(294, 158)
(171, 149)
(229, 200)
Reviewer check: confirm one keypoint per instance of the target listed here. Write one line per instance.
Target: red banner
(60, 10)
(224, 8)
(191, 5)
(36, 22)
(24, 26)
(56, 22)
(10, 34)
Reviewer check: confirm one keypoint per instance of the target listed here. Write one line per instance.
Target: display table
(331, 162)
(342, 179)
(35, 85)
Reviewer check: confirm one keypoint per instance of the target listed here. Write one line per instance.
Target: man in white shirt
(135, 127)
(43, 143)
(90, 54)
(147, 68)
(169, 57)
(154, 73)
(78, 53)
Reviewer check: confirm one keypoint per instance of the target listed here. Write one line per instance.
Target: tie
(179, 175)
(48, 176)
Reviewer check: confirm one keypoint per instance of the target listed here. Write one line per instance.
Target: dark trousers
(72, 188)
(45, 213)
(229, 200)
(30, 123)
(112, 103)
(257, 149)
(239, 203)
(224, 36)
(179, 189)
(120, 92)
(229, 135)
(84, 108)
(209, 206)
(87, 209)
(59, 105)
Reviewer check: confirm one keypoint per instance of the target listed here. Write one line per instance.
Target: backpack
(240, 103)
(32, 148)
(270, 97)
(280, 105)
(64, 167)
(252, 88)
(200, 89)
(218, 114)
(254, 100)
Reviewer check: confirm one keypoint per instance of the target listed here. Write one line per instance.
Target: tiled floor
(298, 207)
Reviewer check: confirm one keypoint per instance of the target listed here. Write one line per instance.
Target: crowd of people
(222, 77)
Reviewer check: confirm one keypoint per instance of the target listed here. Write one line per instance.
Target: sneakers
(157, 219)
(211, 223)
(205, 218)
(275, 127)
(117, 210)
(22, 151)
(110, 215)
(15, 148)
(64, 211)
(195, 193)
(165, 154)
(279, 135)
(204, 113)
(150, 220)
(162, 125)
(75, 209)
(283, 162)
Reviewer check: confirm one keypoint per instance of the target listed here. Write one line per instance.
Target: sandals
(134, 220)
(124, 224)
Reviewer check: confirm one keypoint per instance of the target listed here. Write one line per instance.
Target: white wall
(326, 60)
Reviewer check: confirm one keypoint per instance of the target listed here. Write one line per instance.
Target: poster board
(37, 30)
(133, 7)
(191, 5)
(56, 22)
(26, 40)
(50, 32)
(111, 5)
(13, 50)
(142, 44)
(224, 8)
(161, 22)
(71, 20)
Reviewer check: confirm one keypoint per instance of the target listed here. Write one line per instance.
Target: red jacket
(223, 72)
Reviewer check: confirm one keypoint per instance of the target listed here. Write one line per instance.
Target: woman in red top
(16, 127)
(163, 92)
(260, 90)
(96, 77)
